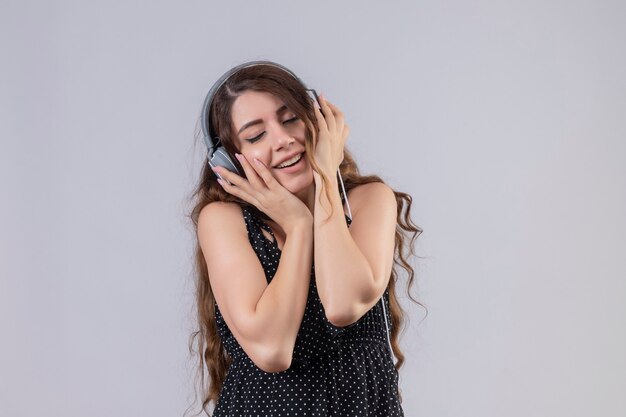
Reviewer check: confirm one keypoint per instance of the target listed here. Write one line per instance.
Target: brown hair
(210, 350)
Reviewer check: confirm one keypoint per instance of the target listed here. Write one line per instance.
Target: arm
(264, 318)
(353, 265)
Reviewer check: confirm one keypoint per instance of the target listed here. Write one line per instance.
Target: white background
(505, 121)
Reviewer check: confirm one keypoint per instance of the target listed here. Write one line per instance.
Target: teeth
(289, 162)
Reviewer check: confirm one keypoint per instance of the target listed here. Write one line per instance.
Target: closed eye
(256, 138)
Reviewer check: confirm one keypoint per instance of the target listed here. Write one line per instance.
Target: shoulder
(221, 216)
(372, 189)
(378, 192)
(219, 208)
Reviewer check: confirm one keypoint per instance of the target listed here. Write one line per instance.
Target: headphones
(218, 156)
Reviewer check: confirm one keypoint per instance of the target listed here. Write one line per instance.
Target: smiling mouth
(293, 163)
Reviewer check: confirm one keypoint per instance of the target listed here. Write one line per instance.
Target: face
(267, 130)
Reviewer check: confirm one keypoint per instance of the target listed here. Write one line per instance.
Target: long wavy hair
(205, 343)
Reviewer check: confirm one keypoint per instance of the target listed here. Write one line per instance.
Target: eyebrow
(257, 121)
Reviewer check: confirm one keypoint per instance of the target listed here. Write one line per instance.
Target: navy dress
(335, 371)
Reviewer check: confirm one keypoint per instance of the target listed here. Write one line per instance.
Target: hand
(331, 137)
(263, 191)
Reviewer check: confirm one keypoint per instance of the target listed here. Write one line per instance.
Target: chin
(299, 183)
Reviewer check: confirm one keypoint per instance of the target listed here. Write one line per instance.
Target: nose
(282, 137)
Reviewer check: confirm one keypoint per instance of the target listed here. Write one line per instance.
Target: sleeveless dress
(335, 371)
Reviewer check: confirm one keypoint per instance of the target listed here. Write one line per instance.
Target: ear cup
(221, 158)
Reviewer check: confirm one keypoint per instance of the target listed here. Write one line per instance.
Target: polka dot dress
(335, 371)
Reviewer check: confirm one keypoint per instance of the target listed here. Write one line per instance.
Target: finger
(251, 173)
(265, 173)
(336, 110)
(339, 118)
(230, 177)
(328, 114)
(233, 189)
(320, 119)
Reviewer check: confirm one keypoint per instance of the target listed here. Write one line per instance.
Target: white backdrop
(504, 120)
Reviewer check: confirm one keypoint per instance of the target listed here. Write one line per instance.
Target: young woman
(289, 287)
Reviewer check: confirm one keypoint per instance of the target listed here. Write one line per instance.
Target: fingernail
(238, 155)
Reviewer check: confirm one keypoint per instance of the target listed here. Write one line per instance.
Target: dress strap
(266, 227)
(257, 216)
(343, 202)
